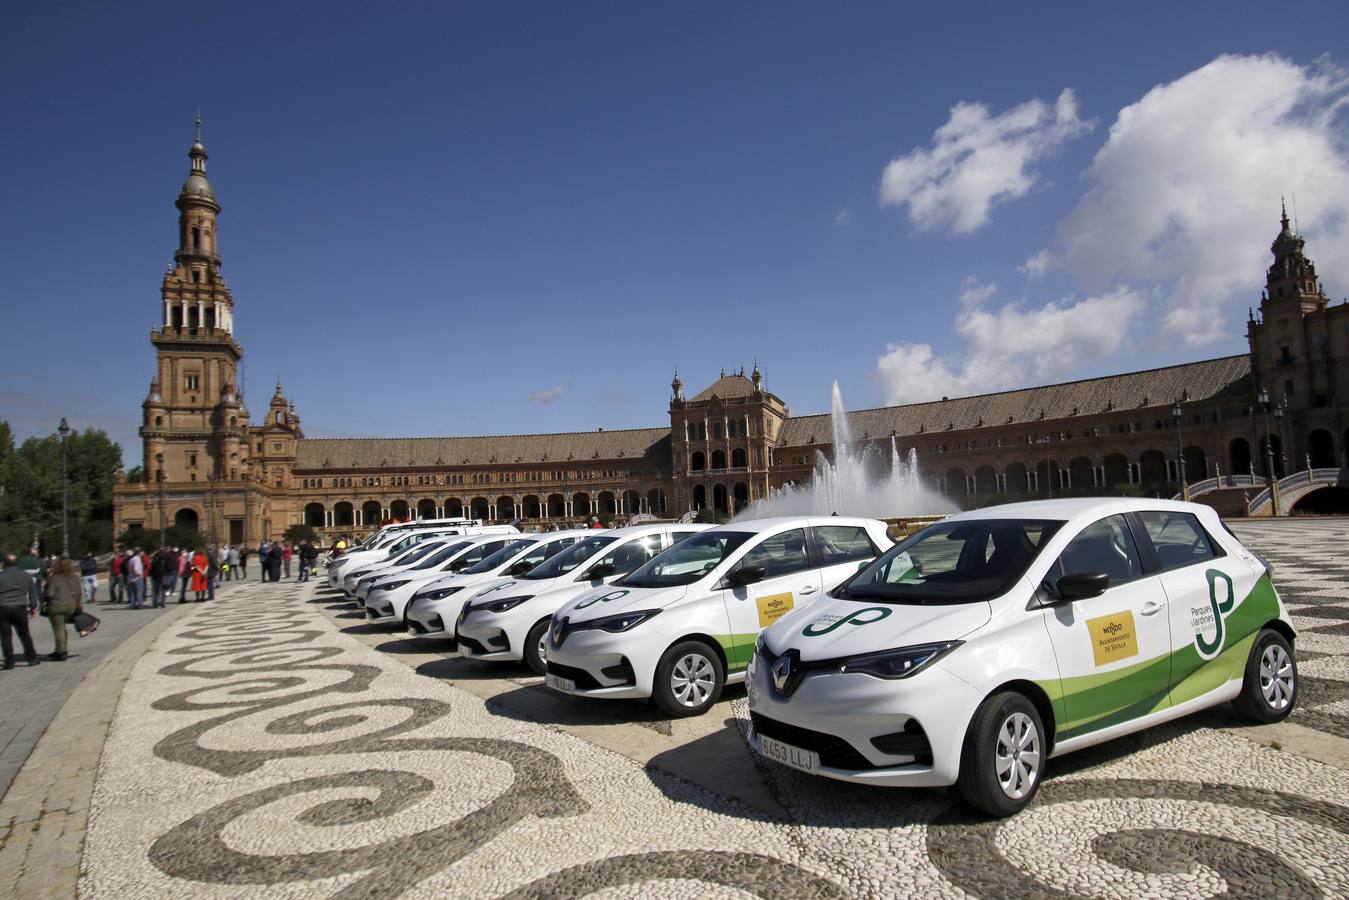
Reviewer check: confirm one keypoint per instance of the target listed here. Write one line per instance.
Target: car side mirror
(1082, 585)
(521, 567)
(601, 570)
(747, 575)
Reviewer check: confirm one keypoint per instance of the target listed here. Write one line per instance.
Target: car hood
(831, 628)
(516, 587)
(611, 599)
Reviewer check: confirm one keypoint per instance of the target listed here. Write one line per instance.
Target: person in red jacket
(286, 553)
(115, 584)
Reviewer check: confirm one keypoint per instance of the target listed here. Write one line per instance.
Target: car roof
(1070, 508)
(776, 522)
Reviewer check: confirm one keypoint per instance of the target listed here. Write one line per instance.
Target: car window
(1178, 538)
(843, 543)
(954, 562)
(1105, 546)
(689, 560)
(413, 555)
(677, 536)
(477, 553)
(779, 554)
(569, 559)
(627, 557)
(488, 563)
(546, 549)
(440, 555)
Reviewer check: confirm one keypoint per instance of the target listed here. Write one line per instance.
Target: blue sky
(434, 213)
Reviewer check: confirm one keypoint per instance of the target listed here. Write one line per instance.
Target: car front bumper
(602, 664)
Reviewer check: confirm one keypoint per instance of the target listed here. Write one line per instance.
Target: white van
(508, 622)
(684, 625)
(997, 639)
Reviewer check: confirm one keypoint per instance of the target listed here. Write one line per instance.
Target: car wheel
(1269, 689)
(536, 647)
(688, 680)
(1003, 759)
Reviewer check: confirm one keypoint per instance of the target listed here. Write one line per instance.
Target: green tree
(30, 490)
(297, 533)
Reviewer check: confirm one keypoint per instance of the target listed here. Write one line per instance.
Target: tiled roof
(377, 453)
(1133, 390)
(727, 387)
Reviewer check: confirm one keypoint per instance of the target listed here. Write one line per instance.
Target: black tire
(980, 783)
(533, 652)
(702, 689)
(1269, 689)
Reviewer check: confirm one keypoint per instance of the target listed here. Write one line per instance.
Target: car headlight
(900, 663)
(620, 622)
(439, 594)
(359, 574)
(499, 606)
(390, 586)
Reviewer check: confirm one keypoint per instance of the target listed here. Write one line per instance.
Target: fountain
(850, 485)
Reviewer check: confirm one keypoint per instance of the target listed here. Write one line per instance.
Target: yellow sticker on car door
(1113, 637)
(773, 607)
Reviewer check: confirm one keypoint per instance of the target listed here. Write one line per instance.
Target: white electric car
(388, 596)
(414, 557)
(508, 622)
(989, 642)
(434, 608)
(395, 541)
(684, 625)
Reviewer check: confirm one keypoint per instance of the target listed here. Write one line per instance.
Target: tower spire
(198, 140)
(1283, 213)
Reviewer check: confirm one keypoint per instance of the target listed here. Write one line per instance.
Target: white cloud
(977, 160)
(548, 395)
(1036, 265)
(1010, 346)
(843, 217)
(1185, 192)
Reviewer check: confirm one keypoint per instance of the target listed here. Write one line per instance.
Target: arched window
(196, 238)
(718, 459)
(739, 459)
(698, 462)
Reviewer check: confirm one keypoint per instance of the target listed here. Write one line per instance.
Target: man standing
(89, 576)
(135, 578)
(156, 574)
(286, 554)
(170, 576)
(115, 581)
(264, 558)
(307, 556)
(243, 562)
(212, 570)
(18, 605)
(234, 561)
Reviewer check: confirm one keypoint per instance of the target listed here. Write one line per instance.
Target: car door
(790, 580)
(839, 551)
(1204, 587)
(1113, 650)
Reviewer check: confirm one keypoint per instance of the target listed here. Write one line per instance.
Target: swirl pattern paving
(259, 751)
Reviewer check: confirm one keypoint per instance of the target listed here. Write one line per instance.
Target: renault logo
(559, 630)
(782, 671)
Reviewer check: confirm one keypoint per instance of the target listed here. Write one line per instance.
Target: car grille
(835, 752)
(584, 680)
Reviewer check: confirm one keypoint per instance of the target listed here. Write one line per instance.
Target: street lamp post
(1283, 444)
(64, 431)
(1049, 481)
(1180, 452)
(159, 478)
(1263, 400)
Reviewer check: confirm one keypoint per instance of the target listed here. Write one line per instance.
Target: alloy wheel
(692, 679)
(1276, 677)
(1017, 755)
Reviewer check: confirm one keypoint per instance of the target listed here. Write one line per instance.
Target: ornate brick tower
(194, 414)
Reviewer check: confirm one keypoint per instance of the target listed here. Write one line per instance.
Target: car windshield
(687, 561)
(954, 562)
(570, 558)
(443, 553)
(414, 554)
(498, 558)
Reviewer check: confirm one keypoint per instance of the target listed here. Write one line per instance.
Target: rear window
(1178, 538)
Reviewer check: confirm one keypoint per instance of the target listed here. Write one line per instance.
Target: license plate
(805, 760)
(558, 683)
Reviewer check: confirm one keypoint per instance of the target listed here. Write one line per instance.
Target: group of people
(136, 576)
(275, 558)
(55, 586)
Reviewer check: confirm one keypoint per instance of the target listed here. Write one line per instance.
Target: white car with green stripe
(979, 648)
(683, 625)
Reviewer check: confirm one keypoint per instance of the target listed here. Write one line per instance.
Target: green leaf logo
(612, 595)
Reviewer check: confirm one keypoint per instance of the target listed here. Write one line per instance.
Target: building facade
(1279, 407)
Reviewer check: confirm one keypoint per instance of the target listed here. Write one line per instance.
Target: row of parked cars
(967, 654)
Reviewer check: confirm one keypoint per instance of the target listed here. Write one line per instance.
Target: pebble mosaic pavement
(259, 751)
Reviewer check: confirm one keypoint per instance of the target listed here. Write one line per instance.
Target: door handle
(808, 589)
(1152, 607)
